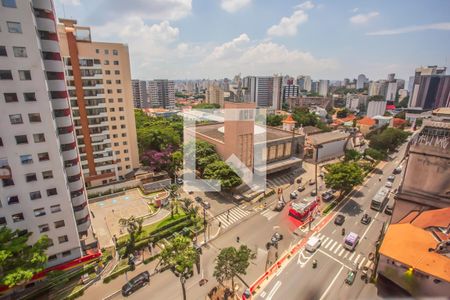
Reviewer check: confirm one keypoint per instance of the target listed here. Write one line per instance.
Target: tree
(232, 262)
(134, 228)
(376, 98)
(274, 120)
(221, 171)
(180, 256)
(206, 106)
(352, 155)
(158, 160)
(343, 113)
(20, 261)
(187, 204)
(388, 140)
(344, 176)
(375, 154)
(305, 118)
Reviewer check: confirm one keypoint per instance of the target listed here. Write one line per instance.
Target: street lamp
(317, 147)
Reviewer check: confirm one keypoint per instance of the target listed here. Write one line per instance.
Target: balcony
(5, 169)
(74, 170)
(84, 226)
(60, 104)
(77, 185)
(79, 200)
(45, 24)
(69, 155)
(43, 4)
(81, 214)
(50, 45)
(53, 65)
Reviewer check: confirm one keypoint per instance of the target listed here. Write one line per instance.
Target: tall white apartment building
(323, 87)
(161, 93)
(42, 188)
(362, 79)
(140, 97)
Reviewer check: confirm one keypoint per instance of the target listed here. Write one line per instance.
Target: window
(55, 208)
(123, 126)
(127, 159)
(9, 3)
(114, 127)
(66, 253)
(14, 27)
(50, 243)
(20, 51)
(117, 72)
(7, 182)
(116, 144)
(122, 118)
(35, 195)
(116, 62)
(16, 119)
(24, 75)
(119, 91)
(1, 142)
(113, 118)
(52, 192)
(5, 75)
(117, 152)
(26, 159)
(55, 75)
(109, 91)
(47, 174)
(97, 51)
(115, 52)
(106, 62)
(128, 166)
(110, 100)
(43, 156)
(28, 97)
(120, 108)
(18, 217)
(118, 81)
(2, 221)
(34, 117)
(125, 151)
(21, 139)
(106, 51)
(29, 177)
(59, 224)
(52, 257)
(63, 239)
(11, 97)
(43, 228)
(3, 51)
(112, 109)
(39, 212)
(125, 143)
(108, 72)
(39, 137)
(13, 200)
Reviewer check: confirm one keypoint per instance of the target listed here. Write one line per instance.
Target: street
(299, 280)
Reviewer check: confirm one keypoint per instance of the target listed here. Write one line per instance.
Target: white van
(312, 244)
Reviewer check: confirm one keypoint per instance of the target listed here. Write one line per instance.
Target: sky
(326, 39)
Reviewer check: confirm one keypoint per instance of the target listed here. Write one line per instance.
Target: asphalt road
(299, 280)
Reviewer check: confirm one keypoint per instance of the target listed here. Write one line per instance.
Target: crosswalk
(232, 216)
(269, 214)
(337, 249)
(278, 181)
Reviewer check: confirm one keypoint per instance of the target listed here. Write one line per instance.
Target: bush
(116, 274)
(75, 294)
(329, 207)
(150, 259)
(375, 154)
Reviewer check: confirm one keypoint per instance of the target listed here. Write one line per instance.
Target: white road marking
(337, 249)
(346, 254)
(331, 284)
(334, 245)
(342, 251)
(361, 263)
(370, 225)
(356, 259)
(263, 294)
(351, 256)
(274, 290)
(336, 260)
(333, 231)
(325, 240)
(328, 244)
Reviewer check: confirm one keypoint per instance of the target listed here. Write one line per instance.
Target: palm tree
(134, 228)
(186, 203)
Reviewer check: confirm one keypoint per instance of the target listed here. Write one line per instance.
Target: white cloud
(434, 26)
(288, 26)
(70, 2)
(263, 58)
(305, 5)
(355, 9)
(364, 18)
(232, 6)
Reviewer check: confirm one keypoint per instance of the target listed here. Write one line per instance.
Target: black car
(327, 196)
(198, 199)
(136, 283)
(339, 220)
(301, 188)
(311, 182)
(313, 193)
(366, 219)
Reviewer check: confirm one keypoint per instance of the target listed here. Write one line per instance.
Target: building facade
(214, 95)
(99, 83)
(140, 97)
(323, 87)
(420, 87)
(376, 108)
(161, 93)
(290, 90)
(362, 79)
(432, 92)
(42, 189)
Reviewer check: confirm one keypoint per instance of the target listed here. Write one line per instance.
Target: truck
(303, 209)
(380, 199)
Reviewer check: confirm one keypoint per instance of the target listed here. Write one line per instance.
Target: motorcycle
(314, 264)
(343, 231)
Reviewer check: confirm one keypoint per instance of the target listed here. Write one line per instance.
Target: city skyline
(184, 39)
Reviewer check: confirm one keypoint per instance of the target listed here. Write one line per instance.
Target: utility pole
(205, 223)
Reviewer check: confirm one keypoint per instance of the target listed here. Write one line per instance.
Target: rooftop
(311, 130)
(409, 245)
(328, 137)
(367, 121)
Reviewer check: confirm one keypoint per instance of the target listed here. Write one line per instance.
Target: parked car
(198, 199)
(301, 188)
(293, 195)
(391, 178)
(311, 182)
(327, 196)
(299, 180)
(136, 283)
(339, 220)
(351, 275)
(313, 193)
(206, 205)
(388, 184)
(398, 170)
(366, 219)
(389, 209)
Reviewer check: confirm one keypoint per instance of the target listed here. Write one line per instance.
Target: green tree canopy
(375, 154)
(232, 262)
(274, 120)
(180, 255)
(20, 261)
(344, 176)
(343, 113)
(352, 155)
(388, 140)
(206, 106)
(305, 118)
(221, 171)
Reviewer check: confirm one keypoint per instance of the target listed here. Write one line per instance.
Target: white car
(388, 184)
(293, 195)
(312, 244)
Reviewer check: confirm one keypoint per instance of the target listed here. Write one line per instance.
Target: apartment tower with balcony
(100, 90)
(42, 189)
